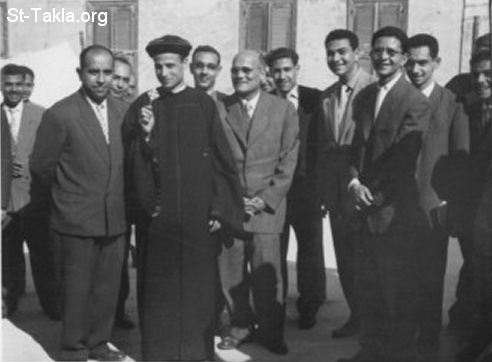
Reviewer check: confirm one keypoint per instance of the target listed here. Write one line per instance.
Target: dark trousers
(35, 231)
(432, 268)
(125, 279)
(261, 253)
(342, 230)
(311, 279)
(461, 310)
(386, 292)
(90, 277)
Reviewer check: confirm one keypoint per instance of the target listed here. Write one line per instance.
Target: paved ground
(31, 336)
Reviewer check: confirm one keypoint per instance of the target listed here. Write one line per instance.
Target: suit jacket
(385, 152)
(21, 151)
(84, 174)
(6, 160)
(266, 154)
(332, 163)
(444, 158)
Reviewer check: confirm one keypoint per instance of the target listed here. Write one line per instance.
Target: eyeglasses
(380, 51)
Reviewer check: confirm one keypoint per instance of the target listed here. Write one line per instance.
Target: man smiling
(205, 67)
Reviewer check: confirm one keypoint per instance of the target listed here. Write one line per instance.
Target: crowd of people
(210, 185)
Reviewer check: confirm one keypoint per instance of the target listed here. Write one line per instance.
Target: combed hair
(339, 34)
(12, 69)
(421, 40)
(480, 57)
(206, 49)
(124, 60)
(280, 53)
(390, 31)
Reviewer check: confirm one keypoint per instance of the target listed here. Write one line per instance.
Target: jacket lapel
(89, 123)
(27, 128)
(234, 118)
(259, 121)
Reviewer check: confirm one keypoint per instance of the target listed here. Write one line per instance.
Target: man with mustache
(77, 163)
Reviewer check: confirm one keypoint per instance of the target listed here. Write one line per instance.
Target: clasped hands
(253, 205)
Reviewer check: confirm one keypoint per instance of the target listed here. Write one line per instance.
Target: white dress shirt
(101, 111)
(14, 116)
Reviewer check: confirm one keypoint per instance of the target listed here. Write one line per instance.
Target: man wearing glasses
(391, 118)
(205, 68)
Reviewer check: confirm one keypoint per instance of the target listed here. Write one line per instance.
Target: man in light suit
(391, 119)
(25, 224)
(336, 131)
(442, 163)
(78, 161)
(303, 212)
(262, 131)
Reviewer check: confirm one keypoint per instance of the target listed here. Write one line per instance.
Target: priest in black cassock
(185, 197)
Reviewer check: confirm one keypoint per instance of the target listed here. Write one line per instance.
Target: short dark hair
(90, 48)
(391, 31)
(12, 69)
(339, 34)
(27, 71)
(483, 41)
(206, 49)
(280, 53)
(424, 40)
(124, 60)
(480, 57)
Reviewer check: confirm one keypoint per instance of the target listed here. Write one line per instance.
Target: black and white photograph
(246, 180)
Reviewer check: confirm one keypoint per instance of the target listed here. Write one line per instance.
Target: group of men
(213, 183)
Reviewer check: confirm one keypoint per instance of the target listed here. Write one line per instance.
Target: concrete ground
(30, 336)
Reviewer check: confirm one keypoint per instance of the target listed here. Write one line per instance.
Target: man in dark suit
(303, 212)
(477, 217)
(336, 131)
(25, 224)
(391, 118)
(205, 67)
(262, 131)
(78, 159)
(442, 163)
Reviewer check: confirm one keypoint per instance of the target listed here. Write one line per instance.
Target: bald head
(247, 71)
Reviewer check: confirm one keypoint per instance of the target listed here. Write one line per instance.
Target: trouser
(253, 265)
(344, 246)
(90, 277)
(311, 279)
(35, 231)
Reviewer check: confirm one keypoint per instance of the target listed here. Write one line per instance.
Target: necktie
(101, 117)
(14, 122)
(342, 105)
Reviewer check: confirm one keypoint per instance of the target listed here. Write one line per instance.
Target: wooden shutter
(363, 15)
(391, 14)
(267, 24)
(3, 31)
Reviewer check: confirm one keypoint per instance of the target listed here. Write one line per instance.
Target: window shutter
(122, 27)
(102, 34)
(256, 26)
(390, 14)
(3, 30)
(281, 25)
(363, 25)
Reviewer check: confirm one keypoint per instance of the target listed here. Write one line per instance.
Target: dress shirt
(250, 105)
(101, 111)
(383, 91)
(427, 91)
(179, 88)
(292, 96)
(14, 116)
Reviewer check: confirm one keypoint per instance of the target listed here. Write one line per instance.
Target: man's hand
(254, 205)
(16, 170)
(147, 119)
(214, 225)
(362, 195)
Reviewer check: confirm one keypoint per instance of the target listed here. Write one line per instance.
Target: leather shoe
(279, 348)
(230, 341)
(124, 322)
(108, 355)
(349, 329)
(306, 320)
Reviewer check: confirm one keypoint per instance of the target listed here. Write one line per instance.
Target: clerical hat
(168, 44)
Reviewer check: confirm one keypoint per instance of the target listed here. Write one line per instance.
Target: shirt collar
(351, 82)
(427, 91)
(293, 93)
(179, 88)
(253, 101)
(387, 87)
(94, 105)
(18, 108)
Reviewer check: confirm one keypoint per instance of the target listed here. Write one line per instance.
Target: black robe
(184, 176)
